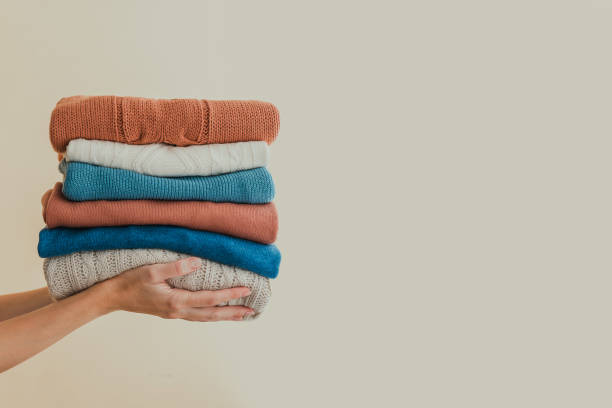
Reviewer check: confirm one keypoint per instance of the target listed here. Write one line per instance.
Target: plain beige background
(443, 176)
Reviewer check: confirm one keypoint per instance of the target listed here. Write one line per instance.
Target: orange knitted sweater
(256, 222)
(179, 122)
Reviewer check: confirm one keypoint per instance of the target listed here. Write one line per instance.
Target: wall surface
(443, 177)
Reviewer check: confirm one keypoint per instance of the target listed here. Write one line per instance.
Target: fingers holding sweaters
(145, 290)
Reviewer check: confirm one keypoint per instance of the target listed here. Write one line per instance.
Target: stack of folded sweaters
(150, 181)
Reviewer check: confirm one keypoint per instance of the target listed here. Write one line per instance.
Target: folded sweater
(252, 256)
(180, 122)
(257, 222)
(170, 161)
(69, 274)
(83, 181)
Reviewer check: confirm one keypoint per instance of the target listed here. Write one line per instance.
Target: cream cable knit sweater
(170, 161)
(72, 273)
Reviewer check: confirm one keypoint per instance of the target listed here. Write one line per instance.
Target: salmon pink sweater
(179, 122)
(255, 222)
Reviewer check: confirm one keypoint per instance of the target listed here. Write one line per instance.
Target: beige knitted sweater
(72, 273)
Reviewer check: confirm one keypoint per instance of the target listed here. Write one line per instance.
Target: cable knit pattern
(252, 256)
(83, 181)
(257, 222)
(170, 161)
(69, 274)
(179, 122)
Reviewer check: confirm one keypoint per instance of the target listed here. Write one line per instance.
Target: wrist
(106, 296)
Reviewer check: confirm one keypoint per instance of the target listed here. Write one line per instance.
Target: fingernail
(246, 292)
(249, 313)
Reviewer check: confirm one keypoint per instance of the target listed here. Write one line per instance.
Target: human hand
(145, 290)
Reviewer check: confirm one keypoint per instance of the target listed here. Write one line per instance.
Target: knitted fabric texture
(69, 274)
(257, 222)
(83, 181)
(170, 161)
(252, 256)
(180, 122)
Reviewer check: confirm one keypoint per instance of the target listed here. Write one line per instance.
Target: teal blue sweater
(84, 182)
(252, 256)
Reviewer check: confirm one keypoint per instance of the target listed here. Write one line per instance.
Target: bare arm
(140, 290)
(17, 304)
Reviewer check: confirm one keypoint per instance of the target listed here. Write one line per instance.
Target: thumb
(161, 272)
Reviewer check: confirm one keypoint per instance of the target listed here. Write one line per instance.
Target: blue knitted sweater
(252, 256)
(84, 182)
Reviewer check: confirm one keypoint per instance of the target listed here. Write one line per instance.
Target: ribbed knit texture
(252, 256)
(170, 161)
(85, 181)
(69, 274)
(257, 222)
(180, 122)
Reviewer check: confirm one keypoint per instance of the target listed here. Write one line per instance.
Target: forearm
(16, 304)
(140, 290)
(24, 336)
